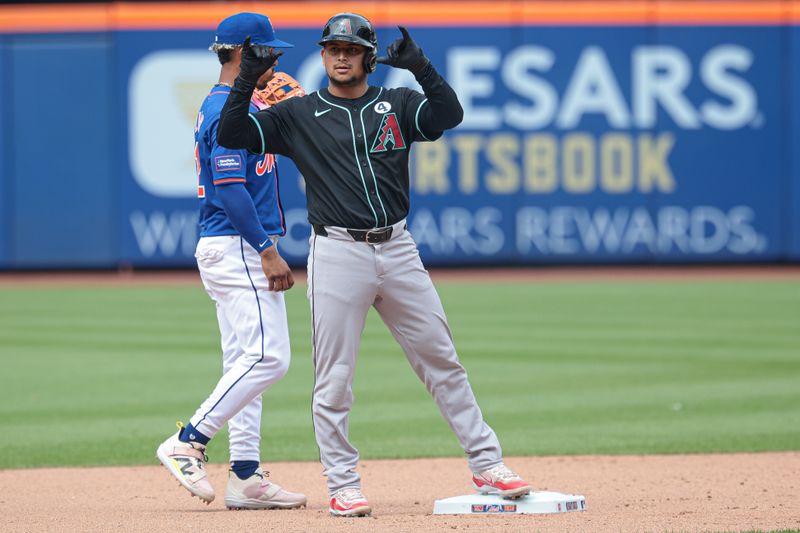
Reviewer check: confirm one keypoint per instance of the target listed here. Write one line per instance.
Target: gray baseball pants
(345, 278)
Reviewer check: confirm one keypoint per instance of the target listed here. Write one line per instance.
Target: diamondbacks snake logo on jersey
(388, 134)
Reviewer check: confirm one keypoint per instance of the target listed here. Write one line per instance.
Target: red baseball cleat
(349, 502)
(501, 480)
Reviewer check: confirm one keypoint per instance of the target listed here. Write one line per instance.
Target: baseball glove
(280, 87)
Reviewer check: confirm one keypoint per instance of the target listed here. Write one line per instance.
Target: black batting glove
(404, 53)
(256, 60)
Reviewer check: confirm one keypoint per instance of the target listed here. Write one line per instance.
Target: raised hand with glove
(256, 60)
(254, 33)
(404, 53)
(443, 110)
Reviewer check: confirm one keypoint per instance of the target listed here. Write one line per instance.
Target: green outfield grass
(99, 375)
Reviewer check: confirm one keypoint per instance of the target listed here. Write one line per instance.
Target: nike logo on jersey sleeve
(320, 113)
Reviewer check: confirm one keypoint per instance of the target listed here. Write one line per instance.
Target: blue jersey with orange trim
(218, 166)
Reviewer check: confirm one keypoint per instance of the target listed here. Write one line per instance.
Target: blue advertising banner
(607, 144)
(62, 211)
(5, 160)
(599, 145)
(793, 149)
(644, 136)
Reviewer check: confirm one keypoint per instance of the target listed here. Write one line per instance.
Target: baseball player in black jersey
(351, 142)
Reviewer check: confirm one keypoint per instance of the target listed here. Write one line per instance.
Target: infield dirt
(732, 492)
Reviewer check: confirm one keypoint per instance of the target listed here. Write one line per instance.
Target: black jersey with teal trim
(353, 153)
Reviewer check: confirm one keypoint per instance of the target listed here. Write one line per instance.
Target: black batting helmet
(353, 28)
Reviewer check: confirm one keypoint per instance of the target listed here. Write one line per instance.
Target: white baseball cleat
(349, 502)
(500, 480)
(256, 492)
(184, 460)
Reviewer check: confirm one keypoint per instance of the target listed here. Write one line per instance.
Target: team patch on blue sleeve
(225, 163)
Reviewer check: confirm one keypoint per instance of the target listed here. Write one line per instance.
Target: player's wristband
(423, 69)
(243, 86)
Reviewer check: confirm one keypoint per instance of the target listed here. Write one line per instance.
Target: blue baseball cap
(235, 29)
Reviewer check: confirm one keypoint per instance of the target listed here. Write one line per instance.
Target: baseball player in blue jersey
(240, 221)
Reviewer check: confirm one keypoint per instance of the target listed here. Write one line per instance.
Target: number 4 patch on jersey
(388, 134)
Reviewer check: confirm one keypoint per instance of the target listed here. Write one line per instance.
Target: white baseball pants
(345, 278)
(255, 341)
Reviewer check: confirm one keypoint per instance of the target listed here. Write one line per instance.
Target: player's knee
(275, 364)
(282, 364)
(334, 398)
(334, 390)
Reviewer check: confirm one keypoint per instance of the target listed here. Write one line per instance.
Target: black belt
(371, 236)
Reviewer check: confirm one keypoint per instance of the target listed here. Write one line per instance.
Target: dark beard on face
(350, 82)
